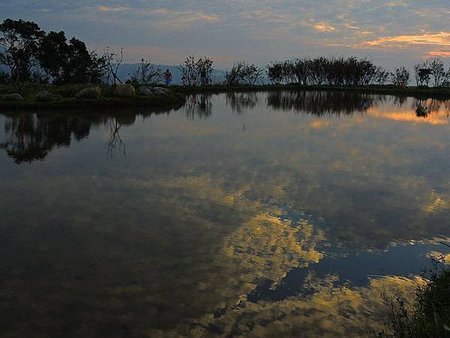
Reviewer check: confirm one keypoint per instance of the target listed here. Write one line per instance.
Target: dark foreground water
(271, 214)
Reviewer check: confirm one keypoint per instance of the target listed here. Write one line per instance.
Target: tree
(438, 72)
(69, 62)
(400, 77)
(192, 70)
(381, 76)
(243, 74)
(83, 66)
(146, 73)
(422, 73)
(112, 63)
(19, 40)
(275, 72)
(53, 55)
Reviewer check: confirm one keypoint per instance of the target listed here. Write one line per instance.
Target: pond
(240, 214)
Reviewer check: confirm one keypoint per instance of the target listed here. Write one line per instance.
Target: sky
(389, 32)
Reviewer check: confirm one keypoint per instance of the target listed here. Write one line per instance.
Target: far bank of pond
(65, 96)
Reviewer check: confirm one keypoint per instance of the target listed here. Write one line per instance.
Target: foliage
(438, 72)
(243, 74)
(20, 41)
(146, 74)
(422, 74)
(430, 315)
(400, 77)
(32, 54)
(69, 62)
(4, 77)
(330, 71)
(193, 71)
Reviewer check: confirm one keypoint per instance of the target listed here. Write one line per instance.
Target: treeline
(31, 54)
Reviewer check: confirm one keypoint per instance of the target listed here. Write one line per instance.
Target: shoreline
(177, 96)
(418, 92)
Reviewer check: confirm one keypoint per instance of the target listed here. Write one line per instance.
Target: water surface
(270, 214)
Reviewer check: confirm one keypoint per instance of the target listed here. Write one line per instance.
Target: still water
(243, 214)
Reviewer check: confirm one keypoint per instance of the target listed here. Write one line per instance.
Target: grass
(67, 98)
(430, 315)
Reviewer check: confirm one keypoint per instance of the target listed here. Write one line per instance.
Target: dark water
(270, 214)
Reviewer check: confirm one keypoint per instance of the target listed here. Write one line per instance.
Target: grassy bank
(66, 98)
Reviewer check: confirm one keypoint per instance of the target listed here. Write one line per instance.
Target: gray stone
(145, 91)
(11, 97)
(125, 91)
(89, 93)
(45, 96)
(160, 91)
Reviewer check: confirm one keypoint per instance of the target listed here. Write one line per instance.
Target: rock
(160, 91)
(45, 96)
(145, 91)
(89, 93)
(125, 91)
(11, 97)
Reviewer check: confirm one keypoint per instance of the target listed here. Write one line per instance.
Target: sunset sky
(395, 32)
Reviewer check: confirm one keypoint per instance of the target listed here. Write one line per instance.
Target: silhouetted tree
(243, 74)
(438, 72)
(192, 69)
(400, 77)
(422, 73)
(146, 73)
(20, 41)
(112, 62)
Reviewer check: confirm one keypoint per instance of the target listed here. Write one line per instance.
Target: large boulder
(125, 91)
(89, 93)
(45, 96)
(145, 91)
(160, 91)
(15, 97)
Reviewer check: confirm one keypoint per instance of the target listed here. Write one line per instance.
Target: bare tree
(146, 74)
(194, 71)
(113, 62)
(438, 72)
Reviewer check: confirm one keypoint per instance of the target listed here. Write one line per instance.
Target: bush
(430, 316)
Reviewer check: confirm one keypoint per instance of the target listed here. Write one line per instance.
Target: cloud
(112, 9)
(437, 53)
(428, 39)
(323, 27)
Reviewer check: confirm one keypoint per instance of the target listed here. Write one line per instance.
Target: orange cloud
(323, 27)
(436, 119)
(439, 54)
(439, 39)
(111, 9)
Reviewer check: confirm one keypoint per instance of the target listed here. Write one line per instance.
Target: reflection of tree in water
(239, 102)
(199, 105)
(321, 103)
(115, 141)
(426, 107)
(31, 137)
